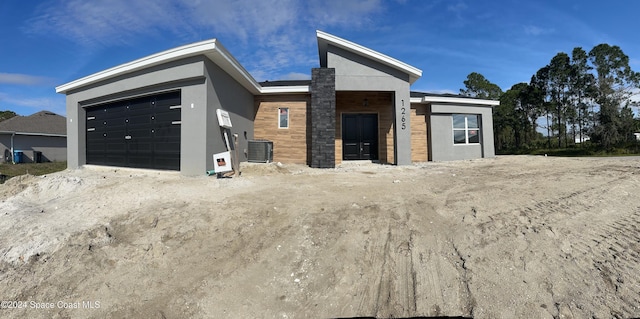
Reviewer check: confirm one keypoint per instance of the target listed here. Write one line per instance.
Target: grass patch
(565, 152)
(587, 151)
(8, 170)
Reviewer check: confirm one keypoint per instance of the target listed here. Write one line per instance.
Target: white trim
(176, 122)
(288, 118)
(91, 129)
(296, 89)
(462, 100)
(175, 107)
(413, 72)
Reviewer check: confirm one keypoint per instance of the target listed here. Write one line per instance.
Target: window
(283, 117)
(466, 129)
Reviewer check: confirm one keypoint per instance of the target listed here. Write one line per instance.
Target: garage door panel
(167, 99)
(167, 117)
(117, 147)
(166, 162)
(167, 147)
(168, 133)
(140, 132)
(143, 119)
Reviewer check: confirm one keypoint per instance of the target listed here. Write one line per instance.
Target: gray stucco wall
(223, 92)
(53, 148)
(204, 88)
(356, 73)
(441, 147)
(188, 75)
(5, 144)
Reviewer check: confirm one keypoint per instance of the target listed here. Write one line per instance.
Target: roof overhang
(297, 89)
(32, 134)
(456, 100)
(212, 49)
(325, 39)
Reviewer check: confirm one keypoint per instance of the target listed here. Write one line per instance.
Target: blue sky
(51, 42)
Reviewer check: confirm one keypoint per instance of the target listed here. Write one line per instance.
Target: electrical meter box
(224, 119)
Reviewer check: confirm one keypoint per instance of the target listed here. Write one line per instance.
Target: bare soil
(510, 237)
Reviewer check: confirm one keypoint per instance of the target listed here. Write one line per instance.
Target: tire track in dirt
(416, 277)
(542, 216)
(605, 265)
(613, 249)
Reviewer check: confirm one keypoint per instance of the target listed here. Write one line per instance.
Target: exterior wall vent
(260, 151)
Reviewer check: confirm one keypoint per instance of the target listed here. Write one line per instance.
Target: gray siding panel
(223, 92)
(54, 149)
(441, 147)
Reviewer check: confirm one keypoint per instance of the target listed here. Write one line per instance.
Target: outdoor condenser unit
(260, 151)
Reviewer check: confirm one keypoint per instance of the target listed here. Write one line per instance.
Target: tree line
(577, 100)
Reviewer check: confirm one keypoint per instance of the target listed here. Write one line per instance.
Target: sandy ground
(510, 237)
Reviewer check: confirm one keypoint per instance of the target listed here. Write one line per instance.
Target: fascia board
(32, 134)
(299, 89)
(444, 99)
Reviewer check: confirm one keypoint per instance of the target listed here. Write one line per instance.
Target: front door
(360, 136)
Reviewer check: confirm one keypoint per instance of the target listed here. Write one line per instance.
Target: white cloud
(297, 76)
(458, 7)
(110, 22)
(278, 35)
(635, 95)
(444, 91)
(24, 79)
(35, 104)
(343, 13)
(536, 31)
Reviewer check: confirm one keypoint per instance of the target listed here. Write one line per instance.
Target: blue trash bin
(17, 157)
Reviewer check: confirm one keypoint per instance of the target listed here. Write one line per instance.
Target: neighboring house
(586, 138)
(160, 112)
(40, 136)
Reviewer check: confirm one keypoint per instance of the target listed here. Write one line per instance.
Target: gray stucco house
(42, 134)
(159, 112)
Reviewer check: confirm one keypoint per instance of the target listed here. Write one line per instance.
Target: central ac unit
(260, 151)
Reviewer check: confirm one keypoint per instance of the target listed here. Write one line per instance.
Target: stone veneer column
(323, 118)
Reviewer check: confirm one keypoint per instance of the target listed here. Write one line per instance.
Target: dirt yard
(510, 237)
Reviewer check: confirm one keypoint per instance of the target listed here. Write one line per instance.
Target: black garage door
(142, 132)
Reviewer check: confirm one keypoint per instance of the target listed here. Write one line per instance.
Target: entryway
(360, 136)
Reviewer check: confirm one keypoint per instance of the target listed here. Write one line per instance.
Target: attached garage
(143, 132)
(159, 112)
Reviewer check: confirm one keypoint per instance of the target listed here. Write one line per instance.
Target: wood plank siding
(289, 144)
(380, 103)
(419, 150)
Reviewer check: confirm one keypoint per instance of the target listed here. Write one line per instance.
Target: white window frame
(280, 118)
(466, 129)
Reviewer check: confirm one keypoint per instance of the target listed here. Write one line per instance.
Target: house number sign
(403, 119)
